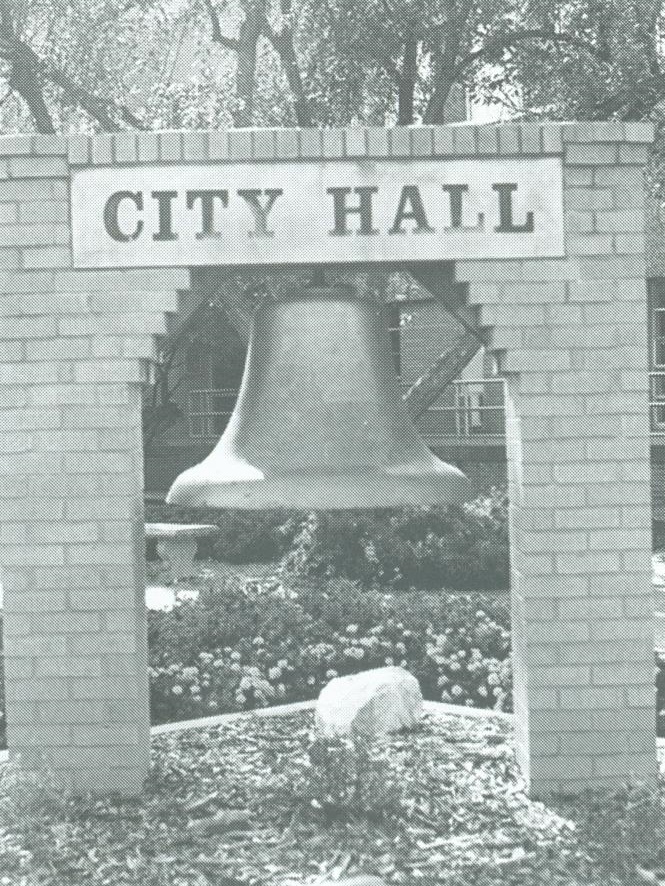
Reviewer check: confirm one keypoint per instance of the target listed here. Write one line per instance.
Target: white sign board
(316, 212)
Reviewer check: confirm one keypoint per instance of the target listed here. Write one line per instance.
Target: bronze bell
(319, 421)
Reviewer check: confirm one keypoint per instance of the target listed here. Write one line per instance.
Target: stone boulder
(369, 704)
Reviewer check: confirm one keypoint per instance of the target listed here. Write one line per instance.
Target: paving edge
(281, 710)
(434, 707)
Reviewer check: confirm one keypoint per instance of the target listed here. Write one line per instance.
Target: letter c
(111, 215)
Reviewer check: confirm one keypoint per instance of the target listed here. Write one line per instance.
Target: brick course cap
(265, 143)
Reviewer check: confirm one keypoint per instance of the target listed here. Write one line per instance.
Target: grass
(253, 801)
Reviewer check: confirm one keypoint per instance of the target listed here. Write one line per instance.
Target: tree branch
(451, 70)
(505, 41)
(646, 33)
(251, 30)
(24, 79)
(216, 32)
(28, 73)
(100, 109)
(24, 75)
(445, 60)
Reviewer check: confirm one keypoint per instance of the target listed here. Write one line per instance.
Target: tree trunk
(290, 63)
(407, 83)
(445, 63)
(248, 38)
(283, 45)
(24, 80)
(443, 83)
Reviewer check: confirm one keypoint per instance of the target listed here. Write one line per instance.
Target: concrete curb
(432, 707)
(221, 719)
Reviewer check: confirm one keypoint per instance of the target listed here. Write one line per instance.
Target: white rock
(370, 704)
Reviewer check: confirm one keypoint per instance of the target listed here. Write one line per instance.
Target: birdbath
(176, 542)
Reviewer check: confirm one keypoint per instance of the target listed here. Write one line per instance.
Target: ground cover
(255, 801)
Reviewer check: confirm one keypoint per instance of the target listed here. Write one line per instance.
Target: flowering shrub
(472, 675)
(244, 646)
(240, 647)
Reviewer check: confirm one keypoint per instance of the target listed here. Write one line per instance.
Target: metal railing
(209, 411)
(467, 409)
(657, 402)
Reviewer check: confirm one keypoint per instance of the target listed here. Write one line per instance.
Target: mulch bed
(242, 803)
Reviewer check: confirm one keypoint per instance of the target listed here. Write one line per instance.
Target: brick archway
(569, 334)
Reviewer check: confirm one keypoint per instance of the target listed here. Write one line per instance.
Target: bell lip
(366, 491)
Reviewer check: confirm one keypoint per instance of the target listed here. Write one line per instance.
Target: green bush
(429, 547)
(242, 646)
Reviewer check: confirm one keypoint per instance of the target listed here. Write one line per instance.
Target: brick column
(571, 339)
(73, 354)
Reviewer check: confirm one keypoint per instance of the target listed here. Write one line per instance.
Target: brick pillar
(71, 518)
(73, 355)
(570, 336)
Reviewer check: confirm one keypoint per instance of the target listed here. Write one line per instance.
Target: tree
(622, 78)
(107, 65)
(55, 62)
